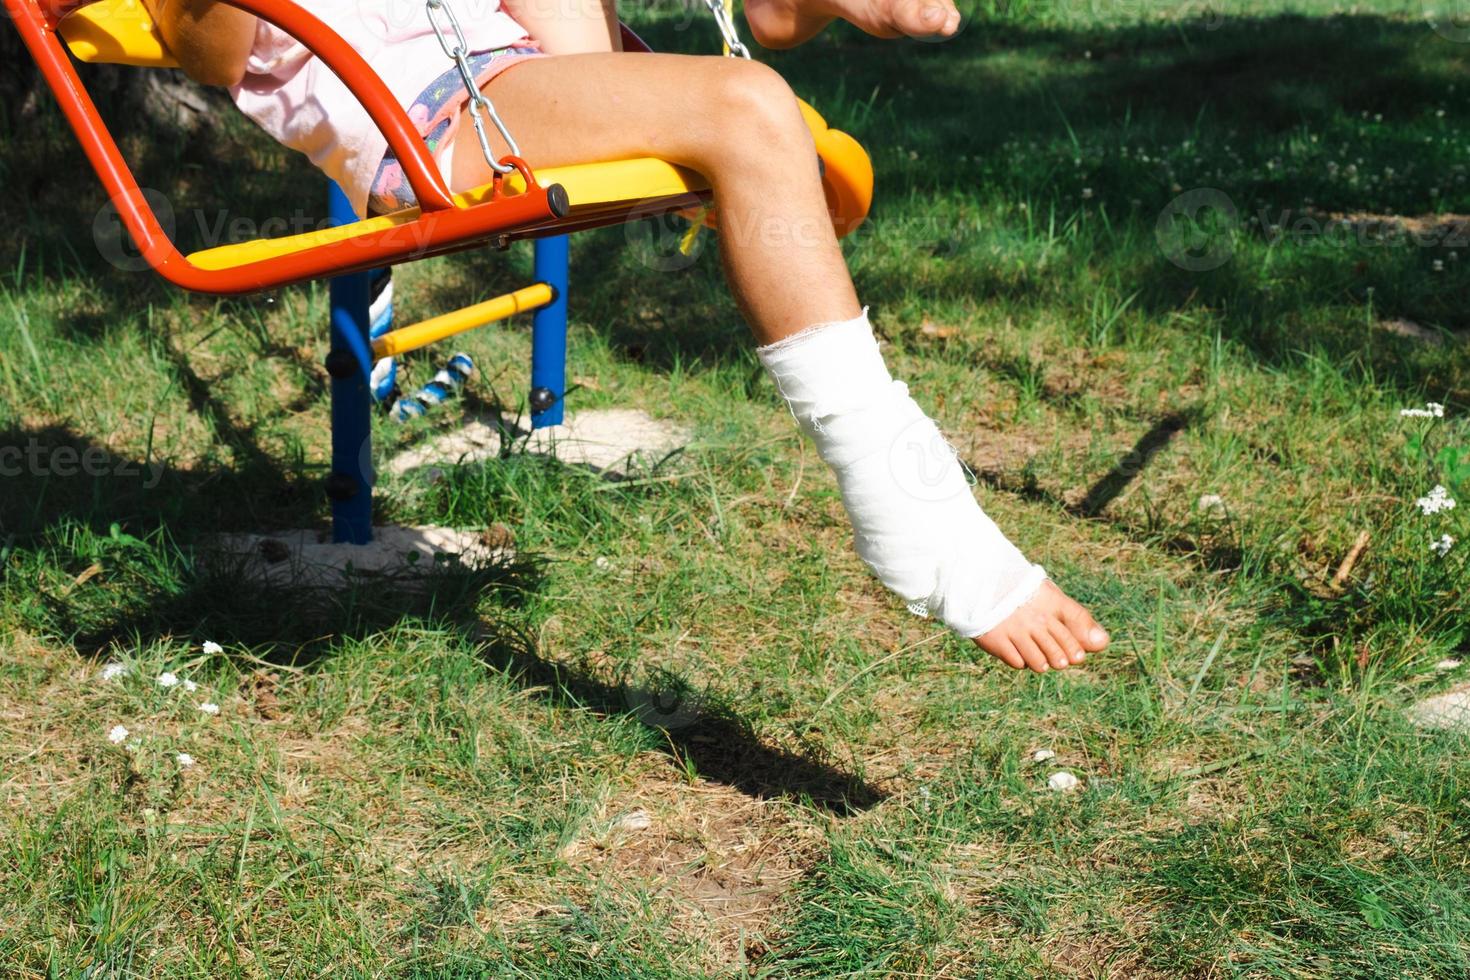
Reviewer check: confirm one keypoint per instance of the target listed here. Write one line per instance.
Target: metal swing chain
(459, 54)
(480, 105)
(725, 21)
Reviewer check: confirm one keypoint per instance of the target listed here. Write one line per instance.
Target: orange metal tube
(441, 227)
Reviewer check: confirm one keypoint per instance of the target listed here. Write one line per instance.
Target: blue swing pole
(349, 362)
(549, 334)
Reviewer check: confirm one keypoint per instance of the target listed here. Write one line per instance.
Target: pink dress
(299, 101)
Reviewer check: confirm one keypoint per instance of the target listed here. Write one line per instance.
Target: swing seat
(526, 204)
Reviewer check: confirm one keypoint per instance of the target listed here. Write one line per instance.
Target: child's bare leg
(737, 123)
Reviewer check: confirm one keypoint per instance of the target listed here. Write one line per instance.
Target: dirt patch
(303, 557)
(605, 440)
(722, 859)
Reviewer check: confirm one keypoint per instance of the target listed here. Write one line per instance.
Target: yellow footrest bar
(426, 332)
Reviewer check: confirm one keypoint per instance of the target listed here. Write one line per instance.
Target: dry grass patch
(720, 860)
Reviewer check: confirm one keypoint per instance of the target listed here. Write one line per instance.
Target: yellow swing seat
(123, 32)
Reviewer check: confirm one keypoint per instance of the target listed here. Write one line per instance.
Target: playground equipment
(519, 203)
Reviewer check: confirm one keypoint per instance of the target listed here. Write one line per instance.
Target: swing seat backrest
(524, 205)
(118, 32)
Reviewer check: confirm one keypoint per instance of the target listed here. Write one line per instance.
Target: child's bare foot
(902, 18)
(1051, 631)
(784, 23)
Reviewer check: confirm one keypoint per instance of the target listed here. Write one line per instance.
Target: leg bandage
(916, 522)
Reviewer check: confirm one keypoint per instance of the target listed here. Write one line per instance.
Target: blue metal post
(349, 362)
(549, 334)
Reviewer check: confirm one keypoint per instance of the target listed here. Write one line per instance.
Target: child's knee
(759, 106)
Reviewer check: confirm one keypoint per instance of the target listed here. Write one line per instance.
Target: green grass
(446, 784)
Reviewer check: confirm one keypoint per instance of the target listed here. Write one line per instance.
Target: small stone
(1063, 782)
(633, 821)
(1448, 710)
(1042, 755)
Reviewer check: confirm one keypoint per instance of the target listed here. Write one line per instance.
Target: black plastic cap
(556, 196)
(341, 363)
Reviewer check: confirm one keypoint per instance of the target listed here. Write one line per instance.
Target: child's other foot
(1049, 632)
(900, 18)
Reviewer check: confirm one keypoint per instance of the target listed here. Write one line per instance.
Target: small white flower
(1439, 499)
(603, 563)
(209, 708)
(1041, 755)
(1211, 503)
(168, 679)
(118, 735)
(1438, 266)
(212, 647)
(190, 686)
(184, 759)
(1442, 546)
(1432, 410)
(1087, 193)
(1449, 663)
(112, 671)
(1062, 782)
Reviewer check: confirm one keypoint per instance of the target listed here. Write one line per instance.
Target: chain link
(734, 47)
(479, 105)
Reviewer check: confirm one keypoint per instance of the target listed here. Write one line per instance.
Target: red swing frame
(441, 226)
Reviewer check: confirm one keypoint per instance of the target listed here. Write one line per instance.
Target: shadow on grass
(702, 734)
(87, 557)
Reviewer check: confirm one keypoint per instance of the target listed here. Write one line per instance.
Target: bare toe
(1001, 648)
(1070, 645)
(925, 18)
(1055, 654)
(1092, 636)
(1032, 654)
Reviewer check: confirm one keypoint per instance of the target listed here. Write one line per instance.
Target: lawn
(1167, 275)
